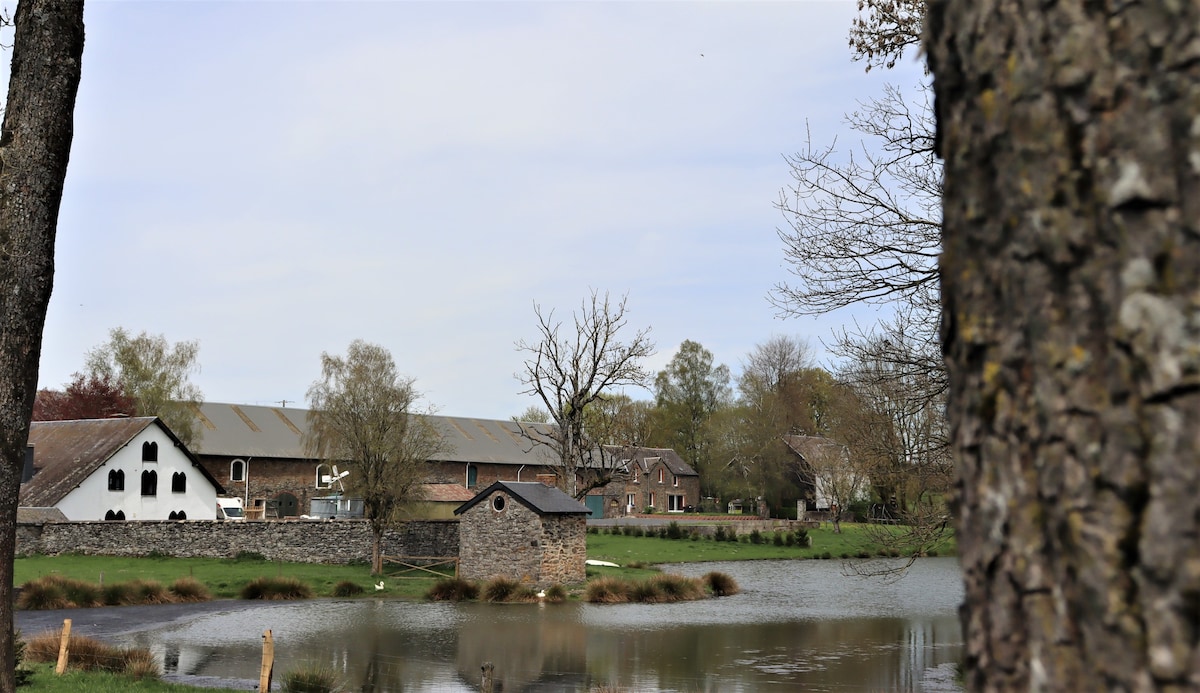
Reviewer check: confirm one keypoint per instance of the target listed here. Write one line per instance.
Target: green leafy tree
(572, 371)
(362, 416)
(687, 393)
(47, 50)
(155, 374)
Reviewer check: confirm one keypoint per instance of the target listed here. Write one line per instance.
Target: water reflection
(798, 624)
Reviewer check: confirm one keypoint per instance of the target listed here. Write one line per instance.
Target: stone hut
(526, 531)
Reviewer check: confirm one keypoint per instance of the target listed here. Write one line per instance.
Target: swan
(379, 586)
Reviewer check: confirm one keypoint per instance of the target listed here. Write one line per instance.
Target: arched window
(237, 470)
(181, 515)
(149, 483)
(324, 474)
(116, 480)
(178, 482)
(111, 516)
(149, 451)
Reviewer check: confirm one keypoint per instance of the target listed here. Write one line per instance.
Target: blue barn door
(596, 505)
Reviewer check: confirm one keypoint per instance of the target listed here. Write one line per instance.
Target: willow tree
(1070, 133)
(155, 374)
(35, 145)
(363, 417)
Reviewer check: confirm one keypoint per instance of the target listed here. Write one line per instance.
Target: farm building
(526, 531)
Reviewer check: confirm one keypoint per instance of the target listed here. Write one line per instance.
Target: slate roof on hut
(538, 497)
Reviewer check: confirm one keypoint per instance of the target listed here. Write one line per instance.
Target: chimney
(548, 479)
(27, 470)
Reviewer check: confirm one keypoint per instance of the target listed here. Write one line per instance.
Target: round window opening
(498, 503)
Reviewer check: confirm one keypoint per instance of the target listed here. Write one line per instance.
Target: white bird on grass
(541, 594)
(379, 586)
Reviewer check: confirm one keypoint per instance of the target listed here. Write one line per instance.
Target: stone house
(654, 480)
(257, 453)
(525, 531)
(115, 469)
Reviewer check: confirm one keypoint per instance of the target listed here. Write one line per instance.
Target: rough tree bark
(34, 148)
(1071, 326)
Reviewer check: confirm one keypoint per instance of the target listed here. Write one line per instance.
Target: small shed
(525, 531)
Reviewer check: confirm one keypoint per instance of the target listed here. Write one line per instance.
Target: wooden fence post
(63, 648)
(268, 662)
(488, 671)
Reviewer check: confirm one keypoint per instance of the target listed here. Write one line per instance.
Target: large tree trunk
(34, 148)
(1071, 293)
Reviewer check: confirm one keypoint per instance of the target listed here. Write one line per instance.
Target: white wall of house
(93, 499)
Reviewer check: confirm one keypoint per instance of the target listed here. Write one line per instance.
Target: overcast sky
(277, 179)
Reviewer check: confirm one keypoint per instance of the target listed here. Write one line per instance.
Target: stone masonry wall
(300, 541)
(497, 544)
(564, 549)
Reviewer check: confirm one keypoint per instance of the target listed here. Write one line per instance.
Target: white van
(230, 509)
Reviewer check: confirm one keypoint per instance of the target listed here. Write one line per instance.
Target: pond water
(797, 625)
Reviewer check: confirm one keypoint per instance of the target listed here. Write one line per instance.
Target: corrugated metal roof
(250, 431)
(67, 452)
(243, 430)
(234, 430)
(538, 497)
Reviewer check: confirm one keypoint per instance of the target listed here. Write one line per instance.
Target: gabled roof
(645, 458)
(809, 446)
(538, 497)
(67, 452)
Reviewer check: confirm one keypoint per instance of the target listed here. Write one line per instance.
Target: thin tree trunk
(1070, 133)
(34, 148)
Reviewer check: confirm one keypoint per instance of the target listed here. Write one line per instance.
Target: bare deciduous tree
(362, 416)
(569, 371)
(35, 145)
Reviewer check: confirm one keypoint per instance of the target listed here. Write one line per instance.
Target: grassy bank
(44, 681)
(854, 541)
(225, 578)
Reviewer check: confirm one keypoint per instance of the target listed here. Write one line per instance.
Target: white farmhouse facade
(116, 469)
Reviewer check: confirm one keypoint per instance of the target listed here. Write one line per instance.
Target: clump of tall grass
(607, 590)
(188, 589)
(677, 588)
(150, 592)
(720, 584)
(454, 589)
(347, 588)
(89, 654)
(504, 589)
(556, 594)
(311, 678)
(57, 592)
(274, 588)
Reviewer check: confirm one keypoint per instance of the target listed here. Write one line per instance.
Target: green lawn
(223, 577)
(854, 540)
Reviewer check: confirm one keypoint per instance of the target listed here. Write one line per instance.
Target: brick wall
(300, 541)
